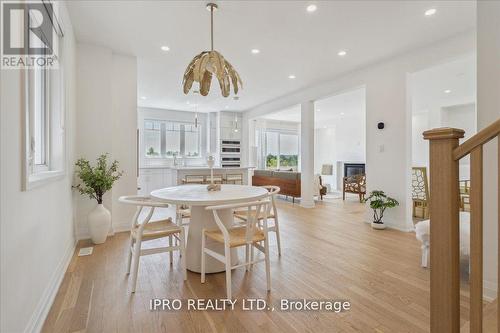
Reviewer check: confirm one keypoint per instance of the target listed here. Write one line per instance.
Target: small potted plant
(379, 202)
(95, 181)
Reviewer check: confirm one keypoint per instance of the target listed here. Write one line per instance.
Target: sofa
(287, 181)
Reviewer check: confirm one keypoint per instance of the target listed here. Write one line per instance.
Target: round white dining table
(198, 198)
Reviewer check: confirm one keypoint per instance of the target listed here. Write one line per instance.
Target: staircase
(445, 154)
(489, 319)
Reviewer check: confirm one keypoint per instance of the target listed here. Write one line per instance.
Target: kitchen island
(156, 177)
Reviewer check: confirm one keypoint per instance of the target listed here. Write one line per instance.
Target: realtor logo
(27, 34)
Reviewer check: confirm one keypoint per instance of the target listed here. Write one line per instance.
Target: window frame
(279, 132)
(53, 167)
(182, 139)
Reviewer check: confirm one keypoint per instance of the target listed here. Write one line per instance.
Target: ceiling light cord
(212, 27)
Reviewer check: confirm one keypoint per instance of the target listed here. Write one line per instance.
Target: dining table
(198, 197)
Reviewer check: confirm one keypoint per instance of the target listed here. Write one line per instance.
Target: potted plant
(95, 181)
(379, 202)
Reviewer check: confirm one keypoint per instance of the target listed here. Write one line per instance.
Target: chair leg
(251, 256)
(135, 269)
(183, 254)
(171, 253)
(425, 254)
(277, 231)
(129, 262)
(228, 271)
(203, 256)
(268, 265)
(247, 257)
(178, 221)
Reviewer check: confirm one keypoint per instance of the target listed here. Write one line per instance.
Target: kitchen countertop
(201, 167)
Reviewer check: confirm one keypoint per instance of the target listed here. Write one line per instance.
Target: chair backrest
(273, 191)
(141, 202)
(419, 184)
(194, 179)
(259, 207)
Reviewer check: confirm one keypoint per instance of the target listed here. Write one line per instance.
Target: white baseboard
(37, 320)
(395, 227)
(83, 232)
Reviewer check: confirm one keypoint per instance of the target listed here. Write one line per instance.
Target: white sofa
(422, 230)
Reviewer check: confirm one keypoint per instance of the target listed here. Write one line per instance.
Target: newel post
(444, 230)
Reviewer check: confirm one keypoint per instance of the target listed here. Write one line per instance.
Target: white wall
(107, 122)
(387, 101)
(457, 116)
(36, 229)
(488, 110)
(325, 148)
(342, 142)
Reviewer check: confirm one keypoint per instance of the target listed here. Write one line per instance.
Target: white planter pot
(378, 226)
(99, 224)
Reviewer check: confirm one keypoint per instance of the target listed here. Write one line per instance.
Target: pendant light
(210, 63)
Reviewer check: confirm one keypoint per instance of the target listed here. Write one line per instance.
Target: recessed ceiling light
(291, 76)
(342, 53)
(255, 51)
(430, 12)
(165, 48)
(318, 110)
(143, 97)
(311, 8)
(447, 91)
(342, 113)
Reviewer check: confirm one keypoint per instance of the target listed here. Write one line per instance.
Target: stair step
(489, 319)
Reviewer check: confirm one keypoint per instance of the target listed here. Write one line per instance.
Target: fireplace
(351, 169)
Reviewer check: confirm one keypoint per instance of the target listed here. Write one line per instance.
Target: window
(272, 150)
(282, 150)
(172, 139)
(166, 139)
(40, 118)
(44, 157)
(289, 151)
(191, 141)
(152, 138)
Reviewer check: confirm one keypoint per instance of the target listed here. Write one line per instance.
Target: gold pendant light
(209, 63)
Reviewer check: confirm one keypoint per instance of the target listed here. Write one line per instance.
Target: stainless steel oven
(230, 162)
(230, 153)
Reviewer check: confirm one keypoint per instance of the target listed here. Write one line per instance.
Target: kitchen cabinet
(229, 133)
(151, 179)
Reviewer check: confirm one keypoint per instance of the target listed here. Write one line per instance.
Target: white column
(307, 154)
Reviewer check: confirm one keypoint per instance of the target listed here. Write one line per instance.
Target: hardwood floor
(328, 253)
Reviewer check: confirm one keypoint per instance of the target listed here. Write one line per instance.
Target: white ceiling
(330, 111)
(429, 85)
(291, 40)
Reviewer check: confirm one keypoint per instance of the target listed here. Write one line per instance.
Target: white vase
(378, 226)
(99, 224)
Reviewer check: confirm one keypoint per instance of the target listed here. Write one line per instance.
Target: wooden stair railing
(445, 153)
